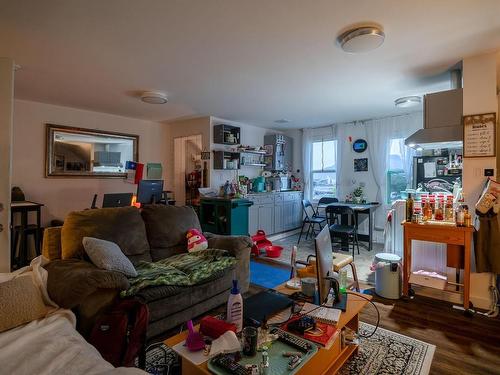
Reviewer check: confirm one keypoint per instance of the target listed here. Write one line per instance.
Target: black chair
(347, 232)
(324, 201)
(311, 219)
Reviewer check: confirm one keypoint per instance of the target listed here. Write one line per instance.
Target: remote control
(227, 363)
(292, 340)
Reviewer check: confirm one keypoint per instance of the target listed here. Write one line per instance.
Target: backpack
(120, 333)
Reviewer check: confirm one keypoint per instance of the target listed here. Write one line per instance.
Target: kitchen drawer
(292, 196)
(278, 197)
(267, 199)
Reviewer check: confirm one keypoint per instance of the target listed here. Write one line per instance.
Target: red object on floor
(259, 242)
(273, 251)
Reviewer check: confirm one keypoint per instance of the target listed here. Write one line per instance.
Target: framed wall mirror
(78, 152)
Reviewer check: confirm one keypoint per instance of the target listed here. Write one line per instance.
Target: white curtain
(379, 132)
(307, 141)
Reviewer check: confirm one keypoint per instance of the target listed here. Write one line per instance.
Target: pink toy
(196, 241)
(194, 340)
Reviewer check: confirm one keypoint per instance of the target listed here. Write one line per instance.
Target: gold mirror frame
(50, 156)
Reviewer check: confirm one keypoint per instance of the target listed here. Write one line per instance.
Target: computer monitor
(149, 191)
(117, 200)
(324, 266)
(324, 262)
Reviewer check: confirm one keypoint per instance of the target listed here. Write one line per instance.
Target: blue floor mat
(267, 275)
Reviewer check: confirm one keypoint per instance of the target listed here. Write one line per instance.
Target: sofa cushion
(107, 255)
(21, 302)
(166, 227)
(123, 226)
(185, 297)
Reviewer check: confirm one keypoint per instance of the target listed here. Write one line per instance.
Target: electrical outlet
(489, 172)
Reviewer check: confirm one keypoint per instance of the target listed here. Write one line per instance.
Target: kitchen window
(399, 163)
(324, 169)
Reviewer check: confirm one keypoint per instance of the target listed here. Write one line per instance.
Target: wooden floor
(463, 345)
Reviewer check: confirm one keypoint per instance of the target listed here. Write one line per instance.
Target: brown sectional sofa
(151, 234)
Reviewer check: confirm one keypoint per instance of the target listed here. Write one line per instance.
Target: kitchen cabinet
(278, 218)
(266, 218)
(275, 212)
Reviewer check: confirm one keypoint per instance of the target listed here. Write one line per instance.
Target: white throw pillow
(108, 256)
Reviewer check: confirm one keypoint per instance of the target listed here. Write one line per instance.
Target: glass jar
(438, 211)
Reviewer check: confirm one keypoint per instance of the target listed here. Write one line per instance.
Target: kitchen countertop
(275, 192)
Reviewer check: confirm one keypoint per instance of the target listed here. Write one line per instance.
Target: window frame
(313, 171)
(389, 172)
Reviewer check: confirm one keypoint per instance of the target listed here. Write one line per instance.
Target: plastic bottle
(235, 307)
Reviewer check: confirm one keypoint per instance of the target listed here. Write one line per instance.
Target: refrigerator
(279, 155)
(431, 174)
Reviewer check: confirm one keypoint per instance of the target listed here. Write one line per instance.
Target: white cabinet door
(288, 218)
(266, 218)
(278, 218)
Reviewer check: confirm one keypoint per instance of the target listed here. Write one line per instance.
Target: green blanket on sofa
(180, 270)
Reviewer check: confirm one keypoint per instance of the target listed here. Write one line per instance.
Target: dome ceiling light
(154, 97)
(408, 101)
(361, 39)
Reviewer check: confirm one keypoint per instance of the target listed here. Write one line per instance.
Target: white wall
(62, 195)
(6, 110)
(480, 85)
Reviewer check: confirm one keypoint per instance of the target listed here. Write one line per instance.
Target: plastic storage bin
(387, 275)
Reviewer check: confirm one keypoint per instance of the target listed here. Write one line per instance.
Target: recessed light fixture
(361, 39)
(154, 97)
(282, 121)
(408, 101)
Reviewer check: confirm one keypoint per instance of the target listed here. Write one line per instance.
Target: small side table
(461, 237)
(23, 208)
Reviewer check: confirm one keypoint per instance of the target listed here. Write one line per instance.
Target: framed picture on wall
(361, 165)
(479, 135)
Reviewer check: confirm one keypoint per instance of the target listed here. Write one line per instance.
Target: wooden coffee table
(325, 361)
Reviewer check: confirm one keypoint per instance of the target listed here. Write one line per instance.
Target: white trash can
(387, 275)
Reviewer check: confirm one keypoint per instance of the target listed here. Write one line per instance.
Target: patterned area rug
(385, 353)
(388, 352)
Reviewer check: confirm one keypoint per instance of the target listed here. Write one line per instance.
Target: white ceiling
(250, 61)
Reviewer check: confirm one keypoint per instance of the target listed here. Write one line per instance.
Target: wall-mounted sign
(359, 145)
(361, 165)
(479, 135)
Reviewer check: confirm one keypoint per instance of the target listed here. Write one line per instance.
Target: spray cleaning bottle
(235, 307)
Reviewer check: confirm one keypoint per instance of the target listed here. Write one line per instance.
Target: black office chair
(311, 219)
(345, 232)
(324, 201)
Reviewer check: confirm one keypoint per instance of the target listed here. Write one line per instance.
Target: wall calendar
(479, 135)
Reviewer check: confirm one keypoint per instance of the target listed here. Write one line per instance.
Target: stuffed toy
(195, 240)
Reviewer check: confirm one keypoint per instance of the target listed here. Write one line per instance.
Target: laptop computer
(117, 200)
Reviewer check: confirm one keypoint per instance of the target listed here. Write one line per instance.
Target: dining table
(367, 209)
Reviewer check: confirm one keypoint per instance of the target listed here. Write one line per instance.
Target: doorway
(189, 169)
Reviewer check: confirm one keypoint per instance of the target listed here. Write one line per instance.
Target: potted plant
(357, 195)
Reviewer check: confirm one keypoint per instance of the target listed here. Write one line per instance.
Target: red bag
(120, 334)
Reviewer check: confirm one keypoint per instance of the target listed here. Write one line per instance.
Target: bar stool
(20, 235)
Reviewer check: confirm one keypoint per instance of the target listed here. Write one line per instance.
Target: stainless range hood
(442, 118)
